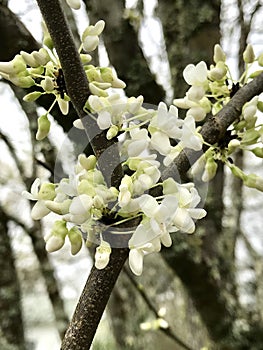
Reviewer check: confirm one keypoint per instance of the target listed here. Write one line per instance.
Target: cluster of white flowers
(147, 139)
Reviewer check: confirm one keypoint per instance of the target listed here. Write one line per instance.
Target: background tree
(210, 255)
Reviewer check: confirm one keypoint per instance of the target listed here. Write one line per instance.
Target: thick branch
(77, 88)
(92, 303)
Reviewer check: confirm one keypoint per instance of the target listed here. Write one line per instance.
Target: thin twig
(141, 291)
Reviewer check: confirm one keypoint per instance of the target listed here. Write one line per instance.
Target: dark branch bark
(92, 303)
(78, 91)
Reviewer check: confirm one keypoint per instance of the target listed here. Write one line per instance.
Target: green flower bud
(23, 82)
(75, 238)
(210, 170)
(43, 127)
(90, 43)
(112, 132)
(86, 187)
(87, 163)
(93, 74)
(218, 72)
(106, 74)
(118, 84)
(260, 60)
(47, 191)
(102, 86)
(41, 56)
(85, 58)
(237, 172)
(50, 68)
(60, 208)
(47, 84)
(260, 106)
(250, 137)
(255, 74)
(32, 96)
(56, 239)
(233, 145)
(254, 181)
(219, 54)
(29, 59)
(97, 91)
(248, 54)
(258, 151)
(63, 106)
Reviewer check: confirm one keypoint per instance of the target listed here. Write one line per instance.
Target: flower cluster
(147, 138)
(210, 90)
(83, 200)
(42, 69)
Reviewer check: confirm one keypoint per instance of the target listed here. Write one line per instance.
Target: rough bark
(125, 54)
(11, 324)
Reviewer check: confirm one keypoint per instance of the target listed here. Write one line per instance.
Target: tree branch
(78, 91)
(167, 331)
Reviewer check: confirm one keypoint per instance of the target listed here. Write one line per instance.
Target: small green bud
(260, 106)
(112, 132)
(87, 163)
(260, 60)
(90, 43)
(85, 58)
(255, 74)
(218, 72)
(248, 54)
(106, 74)
(32, 96)
(63, 105)
(43, 127)
(210, 170)
(93, 74)
(29, 59)
(41, 56)
(47, 191)
(254, 181)
(75, 238)
(47, 84)
(86, 187)
(258, 151)
(237, 172)
(250, 137)
(233, 145)
(60, 208)
(97, 91)
(219, 54)
(23, 82)
(56, 239)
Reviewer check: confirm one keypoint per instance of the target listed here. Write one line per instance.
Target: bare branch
(167, 331)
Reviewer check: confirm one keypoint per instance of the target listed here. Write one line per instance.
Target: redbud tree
(127, 195)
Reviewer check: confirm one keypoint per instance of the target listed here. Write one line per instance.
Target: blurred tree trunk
(125, 54)
(11, 323)
(191, 29)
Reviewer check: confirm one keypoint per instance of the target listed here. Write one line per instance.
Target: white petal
(81, 205)
(197, 213)
(136, 261)
(161, 143)
(148, 205)
(104, 120)
(39, 210)
(78, 124)
(35, 187)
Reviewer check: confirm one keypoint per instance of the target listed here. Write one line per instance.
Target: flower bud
(43, 127)
(106, 74)
(260, 106)
(74, 4)
(85, 187)
(75, 238)
(97, 91)
(250, 137)
(102, 255)
(248, 54)
(93, 74)
(258, 151)
(16, 66)
(254, 181)
(218, 72)
(90, 43)
(233, 145)
(47, 84)
(210, 170)
(23, 82)
(87, 163)
(85, 58)
(56, 240)
(60, 208)
(32, 96)
(41, 56)
(260, 60)
(219, 54)
(63, 106)
(112, 132)
(29, 59)
(47, 191)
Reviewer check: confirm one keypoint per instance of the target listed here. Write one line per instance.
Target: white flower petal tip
(102, 255)
(136, 261)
